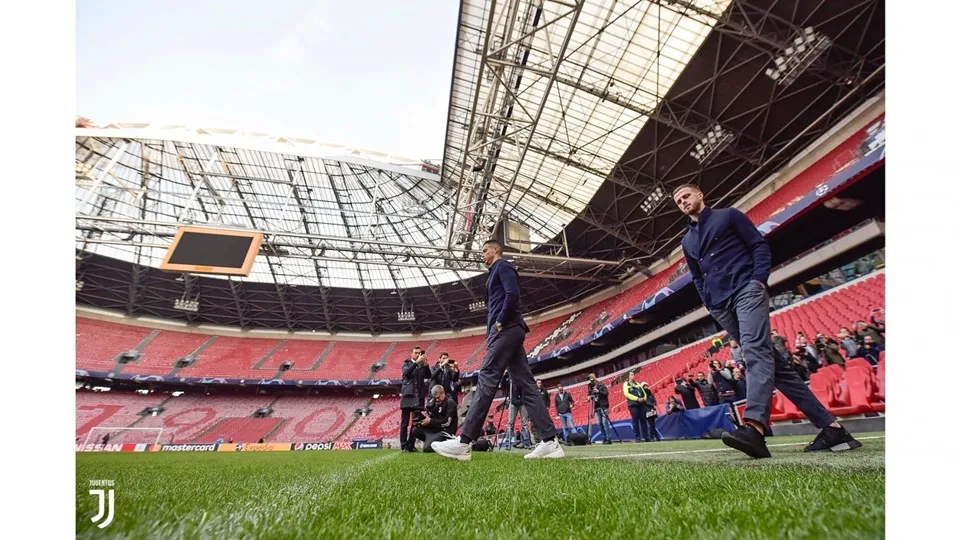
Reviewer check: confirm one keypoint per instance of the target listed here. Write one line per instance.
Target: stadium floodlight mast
(653, 200)
(712, 144)
(798, 56)
(183, 304)
(406, 316)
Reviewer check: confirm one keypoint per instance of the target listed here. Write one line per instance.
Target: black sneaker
(747, 440)
(834, 440)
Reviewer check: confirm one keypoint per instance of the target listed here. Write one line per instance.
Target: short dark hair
(690, 186)
(444, 353)
(494, 242)
(699, 373)
(416, 347)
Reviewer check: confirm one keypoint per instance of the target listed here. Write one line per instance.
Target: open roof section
(546, 97)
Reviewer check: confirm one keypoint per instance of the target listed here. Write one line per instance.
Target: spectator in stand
(563, 402)
(810, 360)
(723, 382)
(687, 392)
(829, 351)
(848, 342)
(736, 353)
(780, 344)
(799, 364)
(864, 329)
(651, 413)
(708, 394)
(876, 319)
(869, 350)
(741, 384)
(673, 406)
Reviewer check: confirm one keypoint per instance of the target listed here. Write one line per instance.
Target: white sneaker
(546, 450)
(453, 449)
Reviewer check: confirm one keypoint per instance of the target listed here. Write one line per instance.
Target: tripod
(604, 417)
(506, 405)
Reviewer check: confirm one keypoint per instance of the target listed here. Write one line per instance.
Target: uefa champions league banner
(222, 380)
(871, 151)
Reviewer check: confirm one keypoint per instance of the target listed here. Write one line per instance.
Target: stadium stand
(160, 355)
(110, 409)
(350, 360)
(383, 422)
(231, 357)
(314, 419)
(99, 342)
(190, 416)
(303, 353)
(240, 430)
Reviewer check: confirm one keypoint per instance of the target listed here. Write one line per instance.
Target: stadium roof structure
(568, 126)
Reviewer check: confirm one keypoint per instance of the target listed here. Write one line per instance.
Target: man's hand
(499, 326)
(426, 422)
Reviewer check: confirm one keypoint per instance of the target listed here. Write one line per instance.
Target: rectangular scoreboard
(201, 250)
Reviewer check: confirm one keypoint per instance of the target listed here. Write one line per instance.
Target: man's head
(734, 344)
(633, 376)
(444, 357)
(860, 325)
(559, 388)
(415, 352)
(492, 250)
(689, 199)
(700, 376)
(540, 384)
(737, 373)
(844, 332)
(438, 393)
(868, 340)
(592, 377)
(773, 333)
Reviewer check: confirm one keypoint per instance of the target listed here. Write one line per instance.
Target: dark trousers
(746, 317)
(505, 351)
(654, 434)
(639, 423)
(406, 433)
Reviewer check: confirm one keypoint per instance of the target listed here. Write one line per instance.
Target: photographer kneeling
(440, 420)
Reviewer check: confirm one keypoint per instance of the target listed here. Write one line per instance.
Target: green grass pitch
(682, 489)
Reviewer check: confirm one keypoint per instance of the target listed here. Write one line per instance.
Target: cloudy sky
(374, 74)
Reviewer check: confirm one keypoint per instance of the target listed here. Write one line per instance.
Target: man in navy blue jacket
(730, 262)
(506, 330)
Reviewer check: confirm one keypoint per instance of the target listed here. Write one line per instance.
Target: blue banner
(682, 425)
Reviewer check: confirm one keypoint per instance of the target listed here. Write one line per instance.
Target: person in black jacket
(741, 383)
(651, 413)
(441, 416)
(563, 402)
(597, 391)
(688, 393)
(544, 393)
(447, 374)
(723, 382)
(412, 390)
(708, 394)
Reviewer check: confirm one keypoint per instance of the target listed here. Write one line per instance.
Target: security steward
(637, 404)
